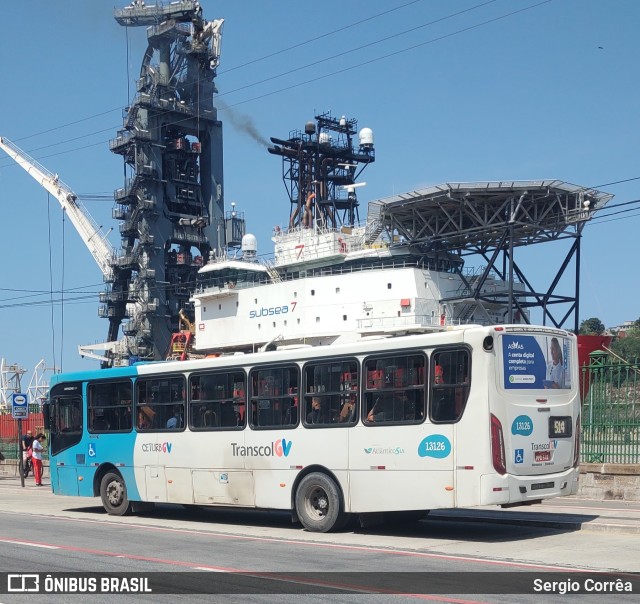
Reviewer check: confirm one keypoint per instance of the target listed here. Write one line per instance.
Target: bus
(386, 427)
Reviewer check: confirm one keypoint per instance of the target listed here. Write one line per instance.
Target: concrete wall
(9, 468)
(609, 481)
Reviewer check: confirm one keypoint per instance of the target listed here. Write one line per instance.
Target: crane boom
(101, 250)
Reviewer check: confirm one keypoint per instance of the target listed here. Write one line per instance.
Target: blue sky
(548, 92)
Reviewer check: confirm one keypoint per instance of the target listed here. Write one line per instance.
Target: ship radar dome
(366, 138)
(324, 138)
(310, 128)
(249, 246)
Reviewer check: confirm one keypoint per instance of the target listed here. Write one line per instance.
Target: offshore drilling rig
(172, 204)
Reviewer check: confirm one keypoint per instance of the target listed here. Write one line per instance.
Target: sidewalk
(569, 513)
(566, 513)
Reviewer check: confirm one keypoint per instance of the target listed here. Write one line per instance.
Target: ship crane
(94, 238)
(101, 250)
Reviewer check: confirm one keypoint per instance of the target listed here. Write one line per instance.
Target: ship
(334, 278)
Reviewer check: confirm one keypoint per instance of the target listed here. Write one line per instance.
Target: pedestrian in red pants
(36, 458)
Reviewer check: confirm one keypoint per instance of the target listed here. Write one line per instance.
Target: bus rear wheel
(319, 505)
(113, 492)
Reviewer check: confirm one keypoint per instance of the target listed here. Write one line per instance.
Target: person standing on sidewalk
(27, 442)
(36, 458)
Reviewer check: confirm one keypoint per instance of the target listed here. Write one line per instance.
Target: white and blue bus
(398, 425)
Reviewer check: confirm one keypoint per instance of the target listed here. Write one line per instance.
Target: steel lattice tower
(172, 204)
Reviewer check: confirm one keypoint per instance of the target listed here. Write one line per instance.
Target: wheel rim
(115, 492)
(317, 503)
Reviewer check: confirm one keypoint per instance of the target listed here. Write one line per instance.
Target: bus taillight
(497, 446)
(576, 444)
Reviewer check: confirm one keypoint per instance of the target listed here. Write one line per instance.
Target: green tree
(592, 327)
(629, 346)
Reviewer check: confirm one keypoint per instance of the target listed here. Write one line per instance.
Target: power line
(392, 54)
(320, 37)
(310, 40)
(616, 182)
(342, 53)
(614, 219)
(619, 205)
(84, 119)
(451, 15)
(603, 217)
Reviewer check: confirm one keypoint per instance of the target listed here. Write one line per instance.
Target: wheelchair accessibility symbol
(519, 456)
(92, 450)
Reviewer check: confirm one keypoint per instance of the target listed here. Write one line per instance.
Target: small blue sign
(19, 405)
(436, 445)
(519, 456)
(522, 424)
(92, 450)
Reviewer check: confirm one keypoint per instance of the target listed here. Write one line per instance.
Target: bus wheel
(113, 492)
(318, 504)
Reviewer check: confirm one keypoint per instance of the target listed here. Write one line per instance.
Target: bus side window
(330, 393)
(394, 389)
(216, 398)
(274, 397)
(449, 385)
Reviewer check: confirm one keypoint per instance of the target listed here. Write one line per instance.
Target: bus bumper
(495, 489)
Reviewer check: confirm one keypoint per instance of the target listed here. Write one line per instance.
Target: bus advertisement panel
(536, 362)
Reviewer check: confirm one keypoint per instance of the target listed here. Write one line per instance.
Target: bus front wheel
(113, 492)
(318, 504)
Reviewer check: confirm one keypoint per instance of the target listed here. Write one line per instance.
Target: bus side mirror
(45, 415)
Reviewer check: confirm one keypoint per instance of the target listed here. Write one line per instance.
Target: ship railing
(409, 322)
(427, 322)
(279, 232)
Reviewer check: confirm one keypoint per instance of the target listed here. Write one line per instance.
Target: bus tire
(319, 504)
(113, 492)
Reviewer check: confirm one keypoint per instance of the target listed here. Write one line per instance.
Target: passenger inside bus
(347, 411)
(318, 414)
(175, 421)
(145, 417)
(382, 410)
(450, 386)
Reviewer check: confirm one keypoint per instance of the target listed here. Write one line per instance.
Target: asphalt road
(41, 533)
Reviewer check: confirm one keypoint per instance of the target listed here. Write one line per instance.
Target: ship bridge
(491, 219)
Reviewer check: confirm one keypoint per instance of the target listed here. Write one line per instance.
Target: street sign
(19, 405)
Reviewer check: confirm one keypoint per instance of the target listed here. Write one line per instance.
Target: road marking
(29, 543)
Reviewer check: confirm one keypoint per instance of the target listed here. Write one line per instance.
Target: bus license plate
(543, 455)
(537, 486)
(559, 426)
